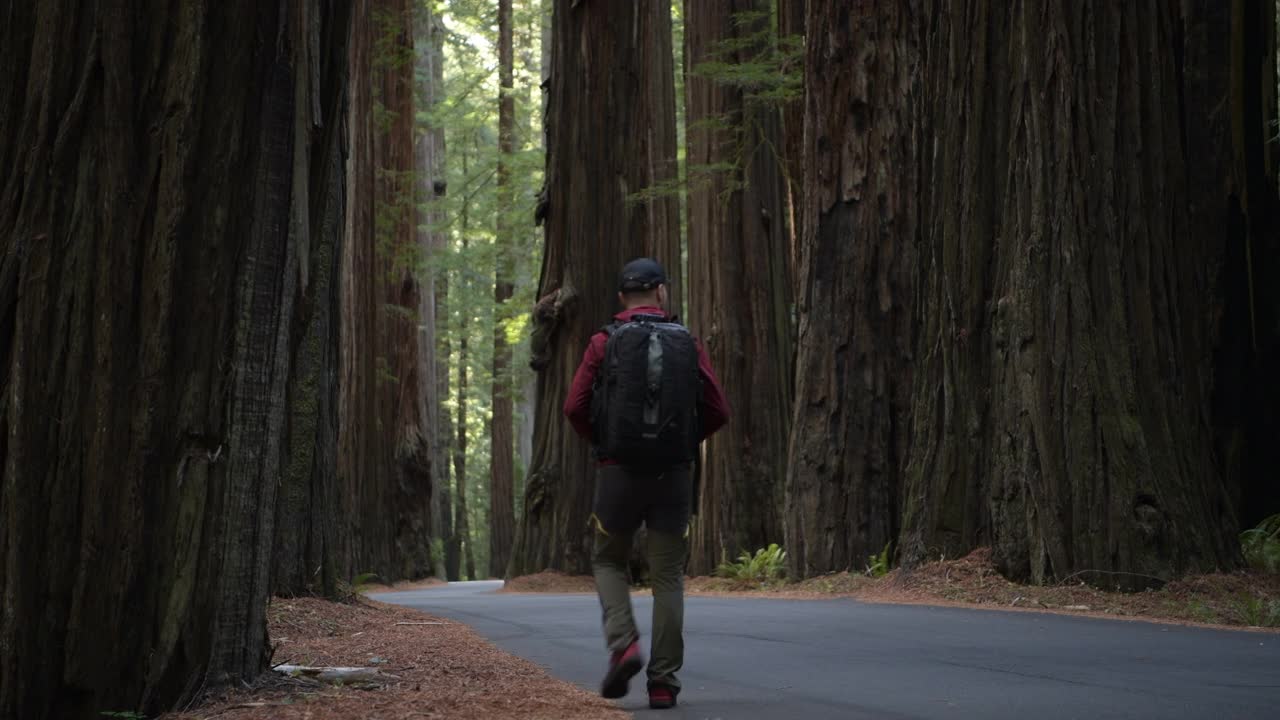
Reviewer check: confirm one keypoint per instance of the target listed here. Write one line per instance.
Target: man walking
(646, 396)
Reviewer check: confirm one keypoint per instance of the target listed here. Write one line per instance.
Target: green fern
(767, 565)
(1261, 545)
(878, 565)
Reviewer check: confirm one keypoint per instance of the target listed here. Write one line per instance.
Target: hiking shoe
(661, 697)
(622, 667)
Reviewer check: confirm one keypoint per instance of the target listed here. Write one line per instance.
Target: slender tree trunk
(1097, 160)
(853, 366)
(502, 449)
(461, 520)
(166, 207)
(461, 523)
(612, 91)
(385, 457)
(738, 258)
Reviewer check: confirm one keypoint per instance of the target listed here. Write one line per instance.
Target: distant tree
(502, 422)
(384, 453)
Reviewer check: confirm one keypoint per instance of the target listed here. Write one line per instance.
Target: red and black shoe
(622, 667)
(661, 697)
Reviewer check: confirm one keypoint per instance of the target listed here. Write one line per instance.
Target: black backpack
(644, 408)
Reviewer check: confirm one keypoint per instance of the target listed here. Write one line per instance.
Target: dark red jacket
(713, 408)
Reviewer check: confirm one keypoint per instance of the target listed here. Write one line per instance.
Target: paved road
(767, 658)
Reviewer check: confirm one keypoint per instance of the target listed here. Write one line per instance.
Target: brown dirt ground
(440, 671)
(550, 581)
(401, 585)
(1241, 599)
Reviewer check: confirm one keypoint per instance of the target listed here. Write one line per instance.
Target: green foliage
(1257, 611)
(468, 214)
(363, 580)
(123, 714)
(879, 565)
(1261, 545)
(766, 69)
(767, 565)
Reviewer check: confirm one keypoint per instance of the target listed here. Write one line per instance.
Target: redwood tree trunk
(857, 259)
(384, 457)
(791, 19)
(501, 423)
(740, 277)
(166, 223)
(1073, 235)
(610, 134)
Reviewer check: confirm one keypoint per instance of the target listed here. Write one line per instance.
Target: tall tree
(740, 275)
(461, 518)
(385, 459)
(1072, 262)
(432, 186)
(501, 422)
(1015, 265)
(853, 364)
(610, 136)
(168, 205)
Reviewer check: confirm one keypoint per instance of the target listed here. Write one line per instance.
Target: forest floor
(1241, 599)
(432, 668)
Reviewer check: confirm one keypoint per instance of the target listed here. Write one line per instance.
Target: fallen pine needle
(421, 623)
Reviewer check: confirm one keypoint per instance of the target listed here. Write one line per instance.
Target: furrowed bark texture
(853, 365)
(168, 210)
(385, 461)
(791, 19)
(1073, 251)
(502, 421)
(740, 302)
(611, 133)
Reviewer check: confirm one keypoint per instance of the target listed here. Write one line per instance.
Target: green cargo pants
(626, 497)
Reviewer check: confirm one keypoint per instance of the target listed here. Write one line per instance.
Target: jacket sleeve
(714, 407)
(577, 406)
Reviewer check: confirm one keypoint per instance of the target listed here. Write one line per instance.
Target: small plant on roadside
(361, 582)
(1261, 545)
(123, 714)
(767, 565)
(878, 565)
(1257, 612)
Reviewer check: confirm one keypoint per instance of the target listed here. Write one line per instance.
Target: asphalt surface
(769, 658)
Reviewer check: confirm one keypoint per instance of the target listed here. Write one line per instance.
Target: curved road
(769, 658)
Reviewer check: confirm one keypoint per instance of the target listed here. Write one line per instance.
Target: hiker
(646, 396)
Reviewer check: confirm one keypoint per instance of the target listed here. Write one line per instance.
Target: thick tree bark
(1091, 319)
(853, 366)
(168, 215)
(740, 277)
(385, 457)
(791, 19)
(611, 134)
(501, 424)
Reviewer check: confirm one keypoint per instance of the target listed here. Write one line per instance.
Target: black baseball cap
(640, 275)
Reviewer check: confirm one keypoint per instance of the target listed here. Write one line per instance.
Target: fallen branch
(338, 675)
